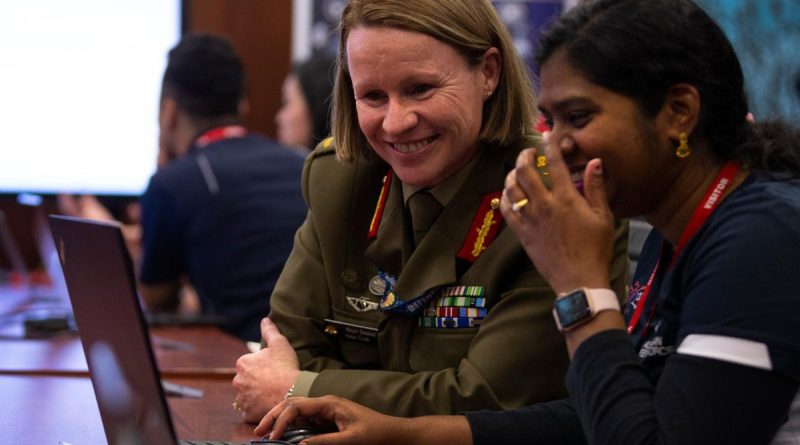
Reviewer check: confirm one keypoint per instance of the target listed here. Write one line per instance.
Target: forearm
(433, 430)
(604, 321)
(406, 394)
(554, 422)
(696, 400)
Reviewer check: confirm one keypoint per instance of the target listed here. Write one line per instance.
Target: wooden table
(202, 351)
(47, 410)
(46, 396)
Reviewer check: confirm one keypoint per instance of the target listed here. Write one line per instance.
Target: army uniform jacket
(387, 361)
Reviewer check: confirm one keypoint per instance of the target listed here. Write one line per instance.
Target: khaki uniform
(387, 361)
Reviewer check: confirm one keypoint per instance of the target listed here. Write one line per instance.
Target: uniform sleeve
(301, 300)
(161, 236)
(301, 297)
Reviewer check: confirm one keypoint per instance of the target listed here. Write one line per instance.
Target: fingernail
(598, 167)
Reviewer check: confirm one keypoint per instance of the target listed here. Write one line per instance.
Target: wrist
(591, 281)
(604, 321)
(290, 392)
(579, 306)
(434, 430)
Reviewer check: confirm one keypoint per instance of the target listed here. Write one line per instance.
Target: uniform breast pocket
(357, 338)
(433, 349)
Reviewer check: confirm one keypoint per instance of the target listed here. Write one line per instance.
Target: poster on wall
(525, 20)
(766, 37)
(765, 34)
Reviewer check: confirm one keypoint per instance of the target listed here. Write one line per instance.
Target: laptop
(114, 334)
(44, 308)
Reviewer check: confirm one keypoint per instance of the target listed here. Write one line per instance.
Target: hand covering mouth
(576, 175)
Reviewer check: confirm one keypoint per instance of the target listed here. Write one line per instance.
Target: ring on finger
(517, 206)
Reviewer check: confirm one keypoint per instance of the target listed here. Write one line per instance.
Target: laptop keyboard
(211, 442)
(217, 442)
(291, 441)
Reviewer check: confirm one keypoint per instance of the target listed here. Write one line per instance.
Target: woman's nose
(562, 141)
(400, 117)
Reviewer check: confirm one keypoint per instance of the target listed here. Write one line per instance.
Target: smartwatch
(574, 308)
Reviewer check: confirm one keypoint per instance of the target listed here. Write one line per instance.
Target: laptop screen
(100, 279)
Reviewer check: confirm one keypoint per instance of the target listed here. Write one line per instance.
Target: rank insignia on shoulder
(361, 304)
(483, 229)
(349, 331)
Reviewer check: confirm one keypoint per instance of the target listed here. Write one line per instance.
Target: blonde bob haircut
(471, 27)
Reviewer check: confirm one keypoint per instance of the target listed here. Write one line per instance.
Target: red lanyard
(703, 211)
(220, 133)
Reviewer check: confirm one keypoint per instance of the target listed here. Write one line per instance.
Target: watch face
(572, 308)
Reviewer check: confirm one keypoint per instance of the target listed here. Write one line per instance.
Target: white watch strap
(602, 300)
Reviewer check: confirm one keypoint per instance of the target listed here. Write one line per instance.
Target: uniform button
(352, 281)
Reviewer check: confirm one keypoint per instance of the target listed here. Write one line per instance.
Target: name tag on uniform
(353, 332)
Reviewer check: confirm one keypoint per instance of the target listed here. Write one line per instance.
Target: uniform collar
(445, 191)
(433, 262)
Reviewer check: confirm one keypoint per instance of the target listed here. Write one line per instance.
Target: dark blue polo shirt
(225, 215)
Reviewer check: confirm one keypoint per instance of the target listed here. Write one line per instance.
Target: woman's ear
(490, 68)
(681, 110)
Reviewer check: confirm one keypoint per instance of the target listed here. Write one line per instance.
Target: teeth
(412, 147)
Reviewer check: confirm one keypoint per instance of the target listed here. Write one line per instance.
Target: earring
(683, 149)
(489, 93)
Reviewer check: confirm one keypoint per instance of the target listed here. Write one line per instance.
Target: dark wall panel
(261, 31)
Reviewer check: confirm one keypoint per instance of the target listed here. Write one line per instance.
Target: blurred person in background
(304, 118)
(223, 206)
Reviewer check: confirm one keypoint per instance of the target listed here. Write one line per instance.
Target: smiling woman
(419, 103)
(405, 290)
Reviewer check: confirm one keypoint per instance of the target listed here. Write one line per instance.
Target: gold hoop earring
(683, 149)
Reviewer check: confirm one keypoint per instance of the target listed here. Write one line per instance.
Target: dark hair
(315, 78)
(640, 48)
(204, 76)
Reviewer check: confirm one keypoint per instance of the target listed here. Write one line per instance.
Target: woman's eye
(420, 89)
(579, 118)
(373, 96)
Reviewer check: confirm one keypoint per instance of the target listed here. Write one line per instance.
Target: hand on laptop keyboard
(290, 436)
